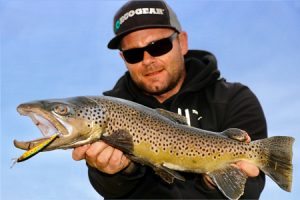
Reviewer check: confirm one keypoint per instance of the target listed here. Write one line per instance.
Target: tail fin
(278, 164)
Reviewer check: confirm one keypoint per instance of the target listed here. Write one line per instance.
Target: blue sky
(57, 48)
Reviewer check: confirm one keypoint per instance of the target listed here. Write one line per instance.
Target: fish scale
(161, 139)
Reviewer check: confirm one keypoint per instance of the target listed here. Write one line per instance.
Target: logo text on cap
(138, 11)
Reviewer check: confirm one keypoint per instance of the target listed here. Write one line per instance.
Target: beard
(162, 88)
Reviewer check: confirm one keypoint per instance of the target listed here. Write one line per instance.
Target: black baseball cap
(142, 14)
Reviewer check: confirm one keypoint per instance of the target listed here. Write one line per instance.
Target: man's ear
(122, 56)
(183, 41)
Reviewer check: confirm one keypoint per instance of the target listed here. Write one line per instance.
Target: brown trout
(159, 139)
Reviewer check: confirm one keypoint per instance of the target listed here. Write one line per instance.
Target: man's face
(157, 75)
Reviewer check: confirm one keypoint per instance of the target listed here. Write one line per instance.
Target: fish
(160, 139)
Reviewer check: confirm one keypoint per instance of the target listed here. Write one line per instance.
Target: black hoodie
(208, 102)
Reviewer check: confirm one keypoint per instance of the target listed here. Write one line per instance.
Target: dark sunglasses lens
(157, 48)
(133, 55)
(160, 47)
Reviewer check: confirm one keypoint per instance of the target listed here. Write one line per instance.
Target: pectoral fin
(120, 139)
(230, 180)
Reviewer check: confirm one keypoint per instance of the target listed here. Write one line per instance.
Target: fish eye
(61, 109)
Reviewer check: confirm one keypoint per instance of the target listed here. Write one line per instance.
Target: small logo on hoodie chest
(189, 114)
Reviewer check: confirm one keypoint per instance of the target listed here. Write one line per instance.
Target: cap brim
(115, 42)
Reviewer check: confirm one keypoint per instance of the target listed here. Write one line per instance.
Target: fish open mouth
(45, 126)
(48, 126)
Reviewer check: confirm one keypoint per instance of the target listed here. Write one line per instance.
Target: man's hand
(250, 169)
(102, 157)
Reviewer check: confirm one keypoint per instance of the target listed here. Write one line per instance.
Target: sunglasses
(155, 48)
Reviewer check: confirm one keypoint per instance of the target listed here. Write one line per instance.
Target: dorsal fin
(172, 116)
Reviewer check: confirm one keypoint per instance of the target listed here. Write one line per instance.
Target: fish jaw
(72, 132)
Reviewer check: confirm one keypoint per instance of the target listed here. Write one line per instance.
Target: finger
(125, 161)
(103, 157)
(79, 152)
(116, 162)
(94, 151)
(116, 159)
(122, 161)
(248, 139)
(250, 169)
(208, 181)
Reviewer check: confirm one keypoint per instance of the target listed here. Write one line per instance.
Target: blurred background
(57, 48)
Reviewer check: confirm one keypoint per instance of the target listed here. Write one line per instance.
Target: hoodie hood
(202, 71)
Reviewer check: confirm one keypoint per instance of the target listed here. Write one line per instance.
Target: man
(163, 73)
